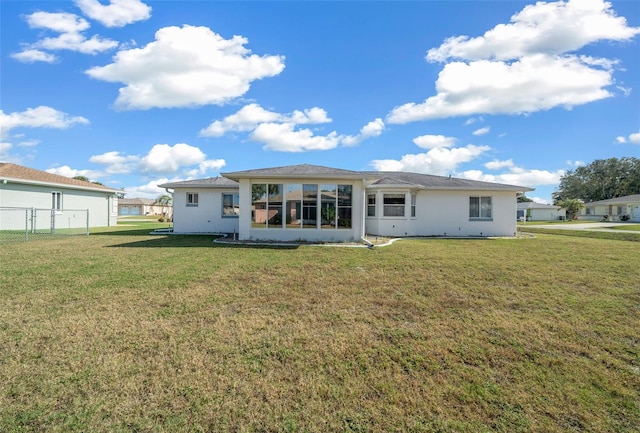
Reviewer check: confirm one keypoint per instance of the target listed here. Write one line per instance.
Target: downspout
(364, 216)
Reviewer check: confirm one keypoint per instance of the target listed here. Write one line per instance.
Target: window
(413, 205)
(293, 208)
(371, 205)
(230, 205)
(56, 201)
(309, 206)
(274, 206)
(259, 205)
(344, 206)
(620, 210)
(393, 205)
(192, 199)
(589, 211)
(328, 195)
(480, 207)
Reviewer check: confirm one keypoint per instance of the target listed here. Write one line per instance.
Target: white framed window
(230, 205)
(192, 199)
(413, 205)
(393, 205)
(480, 208)
(56, 201)
(371, 205)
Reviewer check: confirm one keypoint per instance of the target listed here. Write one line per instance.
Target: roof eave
(60, 185)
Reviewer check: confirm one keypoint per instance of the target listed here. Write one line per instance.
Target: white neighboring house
(540, 212)
(314, 203)
(142, 206)
(27, 188)
(625, 208)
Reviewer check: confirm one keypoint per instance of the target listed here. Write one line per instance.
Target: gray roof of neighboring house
(136, 201)
(380, 178)
(533, 205)
(20, 174)
(210, 182)
(634, 198)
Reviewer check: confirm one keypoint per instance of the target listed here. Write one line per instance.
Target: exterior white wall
(102, 206)
(546, 214)
(445, 213)
(207, 216)
(288, 234)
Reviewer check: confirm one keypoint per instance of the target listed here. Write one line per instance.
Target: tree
(82, 178)
(602, 179)
(522, 198)
(572, 205)
(166, 201)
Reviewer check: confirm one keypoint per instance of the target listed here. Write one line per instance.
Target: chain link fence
(24, 224)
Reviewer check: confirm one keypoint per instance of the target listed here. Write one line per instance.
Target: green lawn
(122, 331)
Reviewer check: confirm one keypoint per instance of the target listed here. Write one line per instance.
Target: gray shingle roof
(210, 182)
(634, 198)
(19, 173)
(429, 181)
(136, 201)
(301, 170)
(379, 178)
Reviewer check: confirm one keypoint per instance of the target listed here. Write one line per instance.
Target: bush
(161, 219)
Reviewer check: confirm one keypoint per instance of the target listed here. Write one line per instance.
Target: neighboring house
(315, 203)
(27, 188)
(142, 206)
(540, 212)
(625, 208)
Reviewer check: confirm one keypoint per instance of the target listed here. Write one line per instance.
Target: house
(540, 212)
(625, 208)
(142, 206)
(45, 200)
(315, 203)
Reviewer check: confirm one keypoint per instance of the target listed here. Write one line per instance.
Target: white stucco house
(315, 203)
(38, 199)
(540, 212)
(142, 206)
(625, 208)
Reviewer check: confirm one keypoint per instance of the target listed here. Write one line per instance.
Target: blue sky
(133, 94)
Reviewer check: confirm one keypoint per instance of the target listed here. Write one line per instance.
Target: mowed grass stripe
(130, 332)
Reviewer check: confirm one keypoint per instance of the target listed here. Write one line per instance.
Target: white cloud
(251, 115)
(371, 129)
(150, 189)
(497, 165)
(439, 161)
(517, 176)
(525, 66)
(576, 163)
(61, 22)
(545, 27)
(117, 13)
(533, 83)
(34, 55)
(621, 139)
(540, 200)
(116, 163)
(67, 171)
(281, 132)
(482, 131)
(433, 141)
(70, 27)
(39, 117)
(284, 137)
(635, 138)
(186, 67)
(76, 42)
(161, 159)
(472, 120)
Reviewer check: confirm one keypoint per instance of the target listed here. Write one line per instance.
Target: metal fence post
(87, 222)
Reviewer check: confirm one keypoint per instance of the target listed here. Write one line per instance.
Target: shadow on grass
(192, 241)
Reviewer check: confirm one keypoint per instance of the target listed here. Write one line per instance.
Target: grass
(121, 331)
(633, 227)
